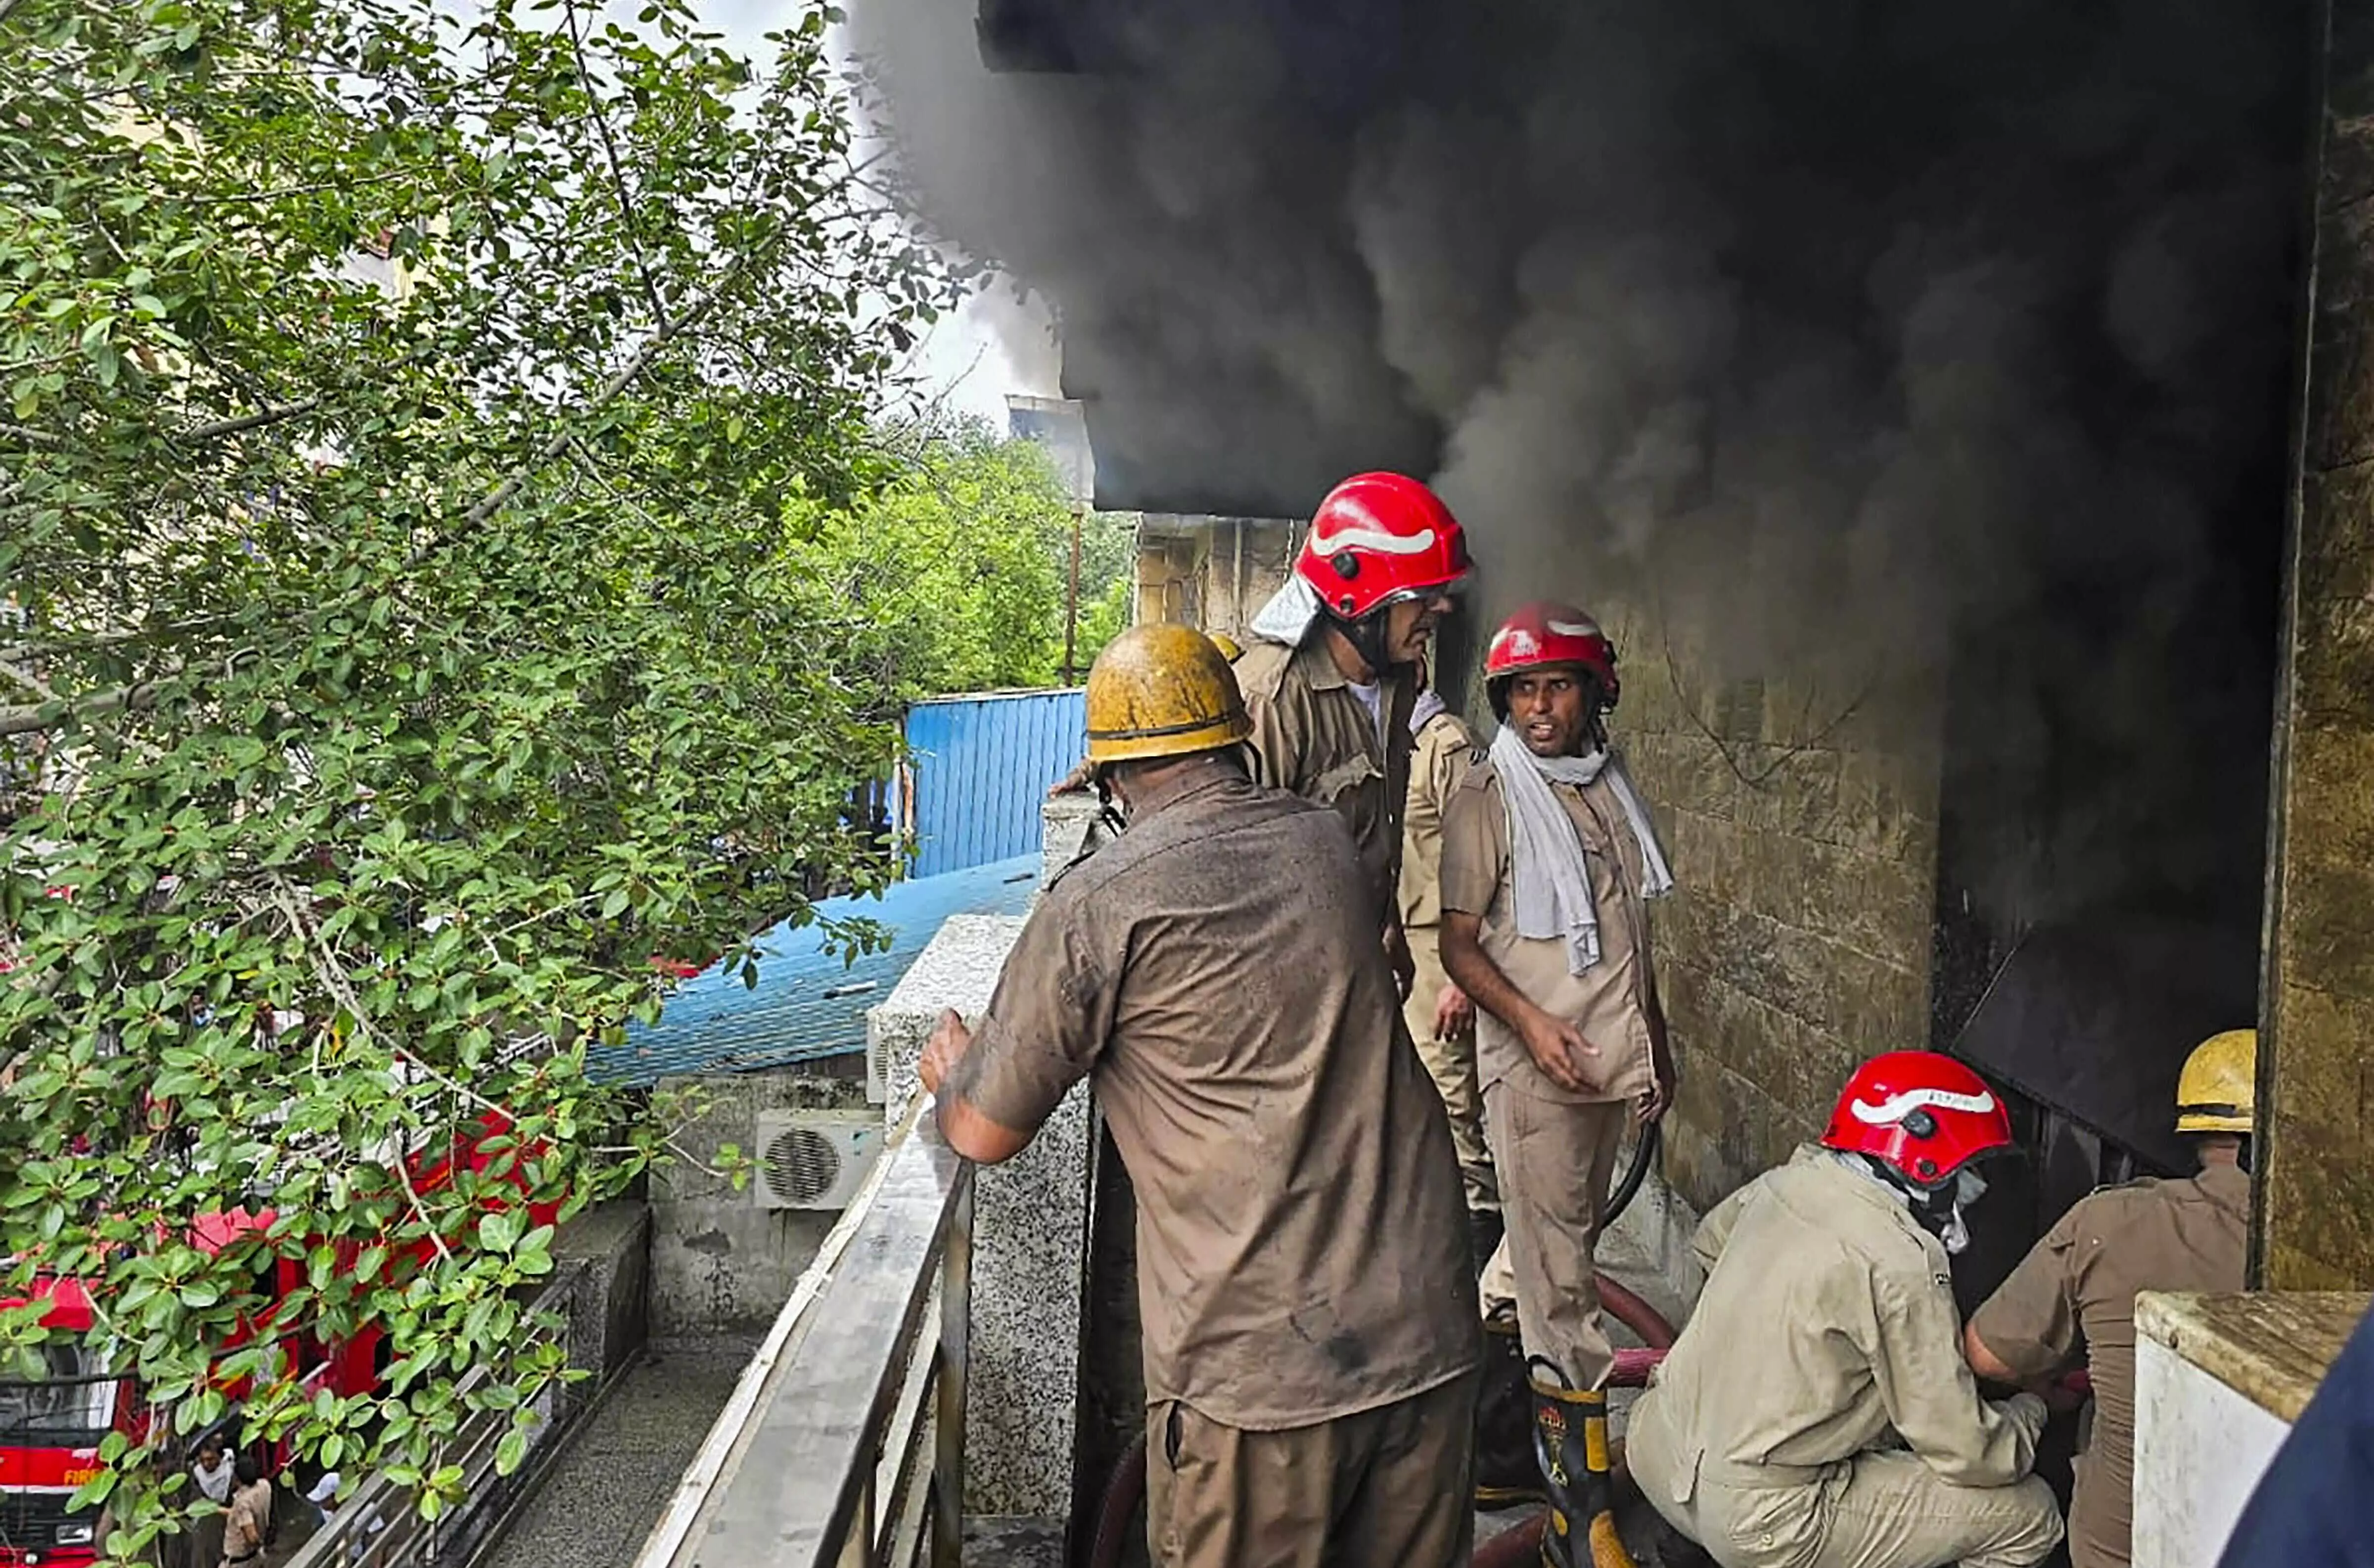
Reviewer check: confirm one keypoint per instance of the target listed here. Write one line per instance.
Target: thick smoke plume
(1835, 330)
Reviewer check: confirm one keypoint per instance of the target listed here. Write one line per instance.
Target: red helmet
(1539, 635)
(1925, 1114)
(1377, 539)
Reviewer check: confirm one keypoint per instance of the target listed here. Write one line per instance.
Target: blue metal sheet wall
(982, 765)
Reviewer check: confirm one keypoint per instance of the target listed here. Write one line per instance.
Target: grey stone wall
(719, 1262)
(2316, 1227)
(1029, 1248)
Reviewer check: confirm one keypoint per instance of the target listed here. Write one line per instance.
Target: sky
(996, 342)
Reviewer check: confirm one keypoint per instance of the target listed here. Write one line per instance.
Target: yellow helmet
(2218, 1089)
(1230, 649)
(1160, 691)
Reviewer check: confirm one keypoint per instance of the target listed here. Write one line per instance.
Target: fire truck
(51, 1423)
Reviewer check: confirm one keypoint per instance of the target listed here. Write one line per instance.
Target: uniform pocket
(1332, 785)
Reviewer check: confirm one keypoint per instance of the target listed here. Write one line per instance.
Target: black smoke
(1838, 333)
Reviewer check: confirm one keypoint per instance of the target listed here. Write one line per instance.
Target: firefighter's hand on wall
(950, 1039)
(1075, 782)
(1397, 950)
(1454, 1013)
(1558, 1048)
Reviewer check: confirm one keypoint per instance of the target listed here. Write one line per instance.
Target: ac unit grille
(801, 1165)
(812, 1159)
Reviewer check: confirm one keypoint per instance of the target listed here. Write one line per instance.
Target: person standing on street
(1328, 679)
(1816, 1411)
(2075, 1293)
(1441, 1020)
(248, 1524)
(1309, 1313)
(1549, 859)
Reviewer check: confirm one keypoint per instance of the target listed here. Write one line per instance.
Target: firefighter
(2075, 1293)
(1548, 859)
(1327, 677)
(1440, 1018)
(1816, 1411)
(1310, 1326)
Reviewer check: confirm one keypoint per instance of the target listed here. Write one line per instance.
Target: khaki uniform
(1552, 1148)
(1314, 738)
(1817, 1411)
(245, 1524)
(1437, 760)
(1309, 1307)
(2076, 1290)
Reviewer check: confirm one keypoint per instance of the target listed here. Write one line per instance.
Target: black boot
(1505, 1471)
(1483, 1236)
(1570, 1444)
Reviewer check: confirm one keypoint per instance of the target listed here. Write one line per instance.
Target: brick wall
(2316, 1227)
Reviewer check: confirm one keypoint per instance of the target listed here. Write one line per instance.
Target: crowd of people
(1368, 1005)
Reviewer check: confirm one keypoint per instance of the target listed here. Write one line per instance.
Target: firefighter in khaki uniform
(1441, 1020)
(1328, 676)
(1309, 1317)
(1817, 1411)
(2075, 1293)
(1547, 857)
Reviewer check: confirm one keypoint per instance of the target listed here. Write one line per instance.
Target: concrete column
(2315, 1227)
(1029, 1242)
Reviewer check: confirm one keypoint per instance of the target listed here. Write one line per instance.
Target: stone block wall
(2316, 1225)
(1029, 1242)
(1802, 820)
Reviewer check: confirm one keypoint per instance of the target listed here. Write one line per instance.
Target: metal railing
(842, 1445)
(380, 1526)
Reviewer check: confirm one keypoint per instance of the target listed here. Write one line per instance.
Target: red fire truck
(51, 1425)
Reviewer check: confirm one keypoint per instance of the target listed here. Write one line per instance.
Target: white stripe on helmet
(1350, 536)
(1895, 1107)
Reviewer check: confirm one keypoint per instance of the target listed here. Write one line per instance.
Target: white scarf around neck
(1549, 879)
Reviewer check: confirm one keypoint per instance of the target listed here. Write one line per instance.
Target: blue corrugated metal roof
(806, 1003)
(982, 765)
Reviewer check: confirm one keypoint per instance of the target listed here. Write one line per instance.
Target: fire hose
(1126, 1490)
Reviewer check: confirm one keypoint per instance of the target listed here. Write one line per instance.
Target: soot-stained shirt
(1302, 1247)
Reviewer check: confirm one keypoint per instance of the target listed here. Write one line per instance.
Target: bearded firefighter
(1309, 1317)
(1550, 857)
(1817, 1411)
(1329, 677)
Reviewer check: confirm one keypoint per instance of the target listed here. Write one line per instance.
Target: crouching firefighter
(1548, 859)
(1309, 1313)
(1817, 1411)
(1330, 680)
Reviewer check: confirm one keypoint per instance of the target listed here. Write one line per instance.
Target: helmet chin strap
(1367, 637)
(1936, 1210)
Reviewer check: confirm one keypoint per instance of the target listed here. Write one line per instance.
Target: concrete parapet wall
(1029, 1248)
(718, 1261)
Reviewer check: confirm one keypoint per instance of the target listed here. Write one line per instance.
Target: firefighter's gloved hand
(2027, 1412)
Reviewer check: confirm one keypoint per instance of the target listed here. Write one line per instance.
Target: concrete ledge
(2271, 1347)
(1029, 1242)
(2219, 1379)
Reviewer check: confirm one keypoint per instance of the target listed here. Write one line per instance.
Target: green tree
(951, 579)
(403, 643)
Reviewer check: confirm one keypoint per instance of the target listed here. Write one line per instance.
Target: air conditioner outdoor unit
(813, 1159)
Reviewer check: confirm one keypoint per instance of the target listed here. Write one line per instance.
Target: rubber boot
(1570, 1445)
(1505, 1472)
(1483, 1237)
